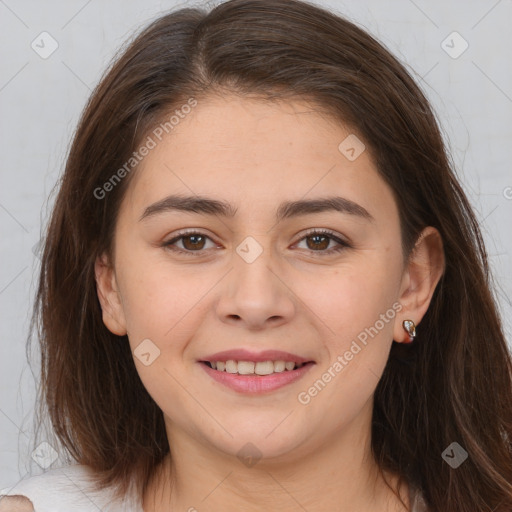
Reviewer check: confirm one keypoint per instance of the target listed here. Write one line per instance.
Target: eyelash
(183, 234)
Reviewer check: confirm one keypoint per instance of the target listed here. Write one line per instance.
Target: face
(322, 284)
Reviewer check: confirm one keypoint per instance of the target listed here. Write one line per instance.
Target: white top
(69, 489)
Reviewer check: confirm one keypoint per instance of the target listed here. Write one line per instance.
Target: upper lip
(247, 355)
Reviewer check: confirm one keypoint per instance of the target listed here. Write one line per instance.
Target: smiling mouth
(255, 369)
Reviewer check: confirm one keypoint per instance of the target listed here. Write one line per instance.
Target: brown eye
(189, 243)
(318, 241)
(192, 242)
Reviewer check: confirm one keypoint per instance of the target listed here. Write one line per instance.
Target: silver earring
(410, 329)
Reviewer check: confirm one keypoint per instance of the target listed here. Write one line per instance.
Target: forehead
(246, 150)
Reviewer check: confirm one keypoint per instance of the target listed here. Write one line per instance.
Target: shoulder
(72, 485)
(16, 504)
(417, 500)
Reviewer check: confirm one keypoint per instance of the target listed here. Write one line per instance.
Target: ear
(423, 271)
(109, 296)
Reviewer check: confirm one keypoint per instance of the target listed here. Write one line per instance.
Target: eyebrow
(288, 209)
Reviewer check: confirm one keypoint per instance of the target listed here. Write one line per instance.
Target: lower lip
(257, 384)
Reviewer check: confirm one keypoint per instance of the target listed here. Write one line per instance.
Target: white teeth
(279, 366)
(265, 368)
(252, 368)
(231, 366)
(246, 367)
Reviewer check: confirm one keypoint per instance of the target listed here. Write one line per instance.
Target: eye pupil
(316, 237)
(195, 243)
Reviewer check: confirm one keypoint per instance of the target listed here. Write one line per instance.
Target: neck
(339, 474)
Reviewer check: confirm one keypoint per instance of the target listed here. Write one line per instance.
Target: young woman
(262, 286)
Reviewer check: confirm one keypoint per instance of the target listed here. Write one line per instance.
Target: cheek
(357, 312)
(162, 307)
(352, 298)
(157, 303)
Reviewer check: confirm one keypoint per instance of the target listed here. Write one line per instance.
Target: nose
(255, 294)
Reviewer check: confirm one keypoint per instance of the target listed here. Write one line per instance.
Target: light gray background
(41, 99)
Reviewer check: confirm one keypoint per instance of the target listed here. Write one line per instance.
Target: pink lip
(246, 355)
(256, 384)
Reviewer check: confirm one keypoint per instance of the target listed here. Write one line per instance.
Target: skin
(294, 297)
(16, 504)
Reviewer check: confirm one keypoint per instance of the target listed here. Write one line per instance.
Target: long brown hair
(454, 384)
